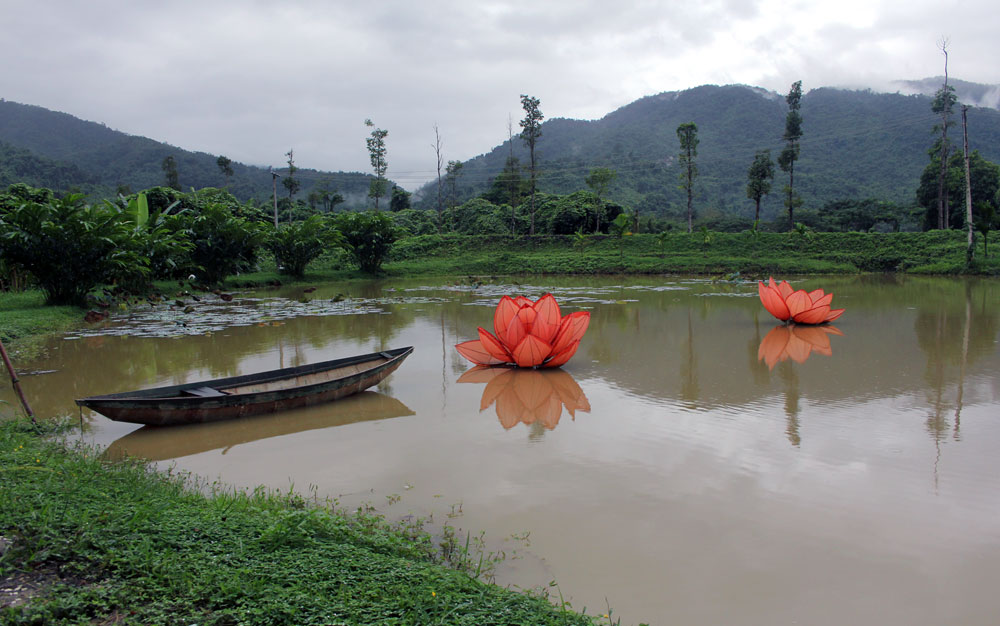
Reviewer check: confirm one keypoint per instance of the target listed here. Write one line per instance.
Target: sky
(252, 80)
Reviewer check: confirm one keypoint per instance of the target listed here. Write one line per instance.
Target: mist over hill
(56, 150)
(856, 144)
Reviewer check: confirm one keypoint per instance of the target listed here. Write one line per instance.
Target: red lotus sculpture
(528, 334)
(528, 396)
(795, 343)
(801, 307)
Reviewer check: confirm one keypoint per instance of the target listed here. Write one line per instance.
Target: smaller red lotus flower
(801, 307)
(528, 334)
(795, 343)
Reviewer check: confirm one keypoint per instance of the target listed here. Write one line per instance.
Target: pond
(695, 462)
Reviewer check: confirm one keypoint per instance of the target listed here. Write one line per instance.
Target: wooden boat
(252, 394)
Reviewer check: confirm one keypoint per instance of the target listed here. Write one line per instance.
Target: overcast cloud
(252, 79)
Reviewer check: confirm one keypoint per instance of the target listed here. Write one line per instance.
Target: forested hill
(855, 144)
(45, 148)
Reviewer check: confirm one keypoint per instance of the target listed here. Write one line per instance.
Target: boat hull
(254, 394)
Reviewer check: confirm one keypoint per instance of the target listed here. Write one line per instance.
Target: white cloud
(250, 80)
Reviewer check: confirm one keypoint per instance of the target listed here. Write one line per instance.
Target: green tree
(226, 167)
(984, 177)
(452, 172)
(599, 179)
(377, 156)
(169, 167)
(368, 237)
(687, 133)
(759, 178)
(291, 183)
(507, 188)
(790, 154)
(400, 199)
(532, 130)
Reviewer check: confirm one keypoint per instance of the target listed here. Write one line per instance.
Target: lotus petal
(475, 352)
(571, 329)
(834, 314)
(523, 301)
(560, 358)
(492, 345)
(506, 310)
(520, 327)
(548, 318)
(531, 351)
(817, 294)
(798, 302)
(772, 301)
(783, 288)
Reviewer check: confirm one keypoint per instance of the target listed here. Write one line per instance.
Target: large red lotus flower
(795, 343)
(800, 306)
(528, 396)
(528, 334)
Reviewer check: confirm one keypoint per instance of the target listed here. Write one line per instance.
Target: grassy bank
(105, 543)
(24, 319)
(936, 252)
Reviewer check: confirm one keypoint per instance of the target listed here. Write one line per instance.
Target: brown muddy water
(695, 463)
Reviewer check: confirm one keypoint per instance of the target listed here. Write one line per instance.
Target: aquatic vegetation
(801, 307)
(528, 334)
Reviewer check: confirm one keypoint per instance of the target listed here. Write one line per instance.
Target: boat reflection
(158, 443)
(796, 343)
(528, 396)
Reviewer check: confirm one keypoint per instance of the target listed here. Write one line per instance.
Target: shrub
(368, 237)
(298, 244)
(222, 244)
(70, 247)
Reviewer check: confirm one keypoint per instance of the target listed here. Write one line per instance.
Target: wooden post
(15, 383)
(968, 185)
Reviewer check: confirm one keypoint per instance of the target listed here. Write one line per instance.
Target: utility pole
(968, 183)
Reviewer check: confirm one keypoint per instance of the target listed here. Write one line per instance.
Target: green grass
(126, 545)
(25, 320)
(936, 252)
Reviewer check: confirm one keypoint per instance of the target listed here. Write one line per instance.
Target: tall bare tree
(944, 101)
(440, 164)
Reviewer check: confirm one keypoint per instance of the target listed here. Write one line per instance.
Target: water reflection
(796, 343)
(528, 396)
(171, 442)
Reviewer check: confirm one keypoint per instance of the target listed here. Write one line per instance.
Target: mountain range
(855, 144)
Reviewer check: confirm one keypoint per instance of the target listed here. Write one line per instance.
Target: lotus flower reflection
(528, 396)
(801, 307)
(528, 334)
(795, 343)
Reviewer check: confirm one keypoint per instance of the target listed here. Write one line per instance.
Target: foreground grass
(121, 544)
